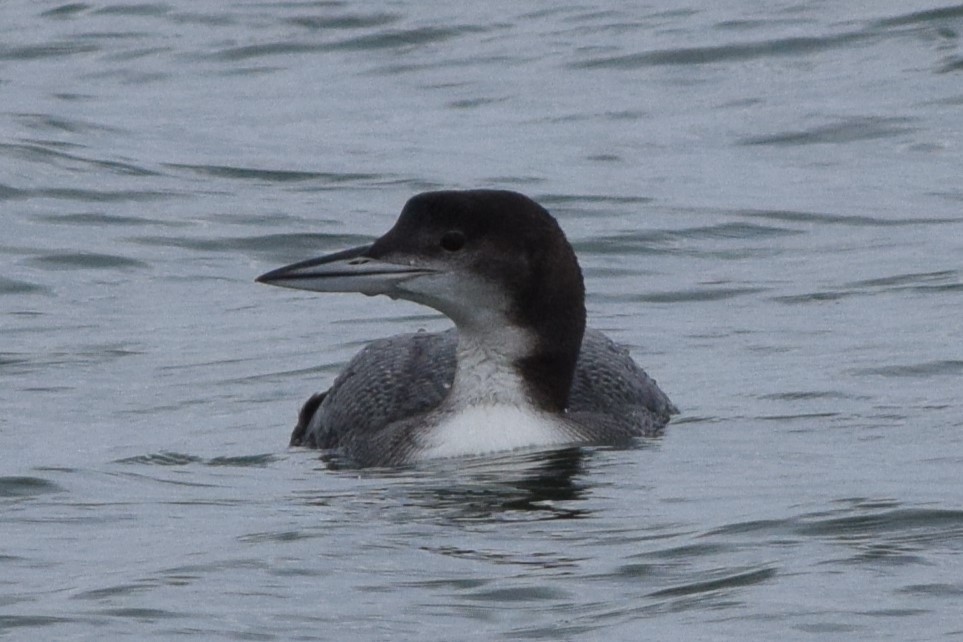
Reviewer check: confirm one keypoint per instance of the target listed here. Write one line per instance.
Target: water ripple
(518, 594)
(274, 175)
(399, 39)
(724, 53)
(656, 241)
(50, 123)
(180, 459)
(10, 622)
(27, 487)
(845, 131)
(135, 9)
(344, 21)
(406, 38)
(921, 524)
(688, 295)
(840, 219)
(939, 283)
(12, 286)
(52, 154)
(552, 201)
(161, 459)
(911, 278)
(723, 580)
(941, 590)
(8, 193)
(141, 614)
(952, 65)
(68, 9)
(87, 261)
(98, 219)
(275, 246)
(926, 369)
(246, 52)
(918, 17)
(48, 50)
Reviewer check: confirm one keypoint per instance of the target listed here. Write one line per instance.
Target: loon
(518, 370)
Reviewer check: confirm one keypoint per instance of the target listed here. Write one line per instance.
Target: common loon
(519, 370)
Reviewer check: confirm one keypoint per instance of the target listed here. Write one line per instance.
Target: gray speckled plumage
(402, 377)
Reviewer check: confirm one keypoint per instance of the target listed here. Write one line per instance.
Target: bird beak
(346, 271)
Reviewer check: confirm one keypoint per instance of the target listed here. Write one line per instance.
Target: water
(766, 201)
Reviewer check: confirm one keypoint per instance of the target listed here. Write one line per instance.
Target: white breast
(485, 429)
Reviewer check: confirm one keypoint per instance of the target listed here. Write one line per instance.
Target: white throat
(485, 372)
(488, 408)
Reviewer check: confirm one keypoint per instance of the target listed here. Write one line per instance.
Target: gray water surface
(766, 201)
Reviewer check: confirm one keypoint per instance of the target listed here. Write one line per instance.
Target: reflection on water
(534, 484)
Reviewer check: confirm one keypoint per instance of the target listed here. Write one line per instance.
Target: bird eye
(453, 240)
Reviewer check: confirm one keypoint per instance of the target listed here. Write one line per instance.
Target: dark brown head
(489, 260)
(501, 258)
